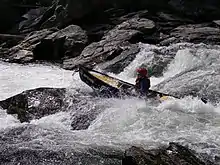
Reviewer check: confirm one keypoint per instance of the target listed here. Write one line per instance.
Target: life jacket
(142, 84)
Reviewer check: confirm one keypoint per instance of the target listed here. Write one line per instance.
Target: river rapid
(186, 69)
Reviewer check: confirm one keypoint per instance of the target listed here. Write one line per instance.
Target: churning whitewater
(186, 69)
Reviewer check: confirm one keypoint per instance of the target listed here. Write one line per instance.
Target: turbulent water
(120, 123)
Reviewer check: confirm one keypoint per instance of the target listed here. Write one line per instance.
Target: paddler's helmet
(142, 71)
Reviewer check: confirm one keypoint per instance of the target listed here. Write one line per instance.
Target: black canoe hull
(101, 86)
(107, 89)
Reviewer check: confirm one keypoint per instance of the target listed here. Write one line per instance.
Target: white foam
(7, 121)
(16, 78)
(60, 120)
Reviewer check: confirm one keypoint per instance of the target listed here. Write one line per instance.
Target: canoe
(114, 87)
(110, 86)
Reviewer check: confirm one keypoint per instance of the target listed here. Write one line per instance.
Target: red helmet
(142, 71)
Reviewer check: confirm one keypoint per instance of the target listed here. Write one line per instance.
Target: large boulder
(49, 44)
(194, 33)
(113, 43)
(36, 103)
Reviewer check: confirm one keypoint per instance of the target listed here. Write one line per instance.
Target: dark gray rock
(174, 154)
(36, 103)
(69, 41)
(84, 111)
(120, 62)
(112, 44)
(194, 33)
(22, 53)
(49, 44)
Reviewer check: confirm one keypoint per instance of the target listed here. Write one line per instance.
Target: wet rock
(36, 103)
(175, 154)
(120, 62)
(49, 44)
(82, 121)
(84, 111)
(196, 33)
(112, 44)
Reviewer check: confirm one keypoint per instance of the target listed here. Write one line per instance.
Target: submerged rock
(175, 154)
(35, 103)
(84, 110)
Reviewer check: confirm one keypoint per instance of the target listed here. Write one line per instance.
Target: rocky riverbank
(98, 32)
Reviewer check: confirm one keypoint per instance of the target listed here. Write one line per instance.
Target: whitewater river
(121, 123)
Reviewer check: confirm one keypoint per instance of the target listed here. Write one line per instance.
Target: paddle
(204, 100)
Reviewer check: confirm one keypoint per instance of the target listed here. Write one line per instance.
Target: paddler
(142, 82)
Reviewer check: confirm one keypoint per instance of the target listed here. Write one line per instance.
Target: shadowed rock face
(49, 44)
(36, 103)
